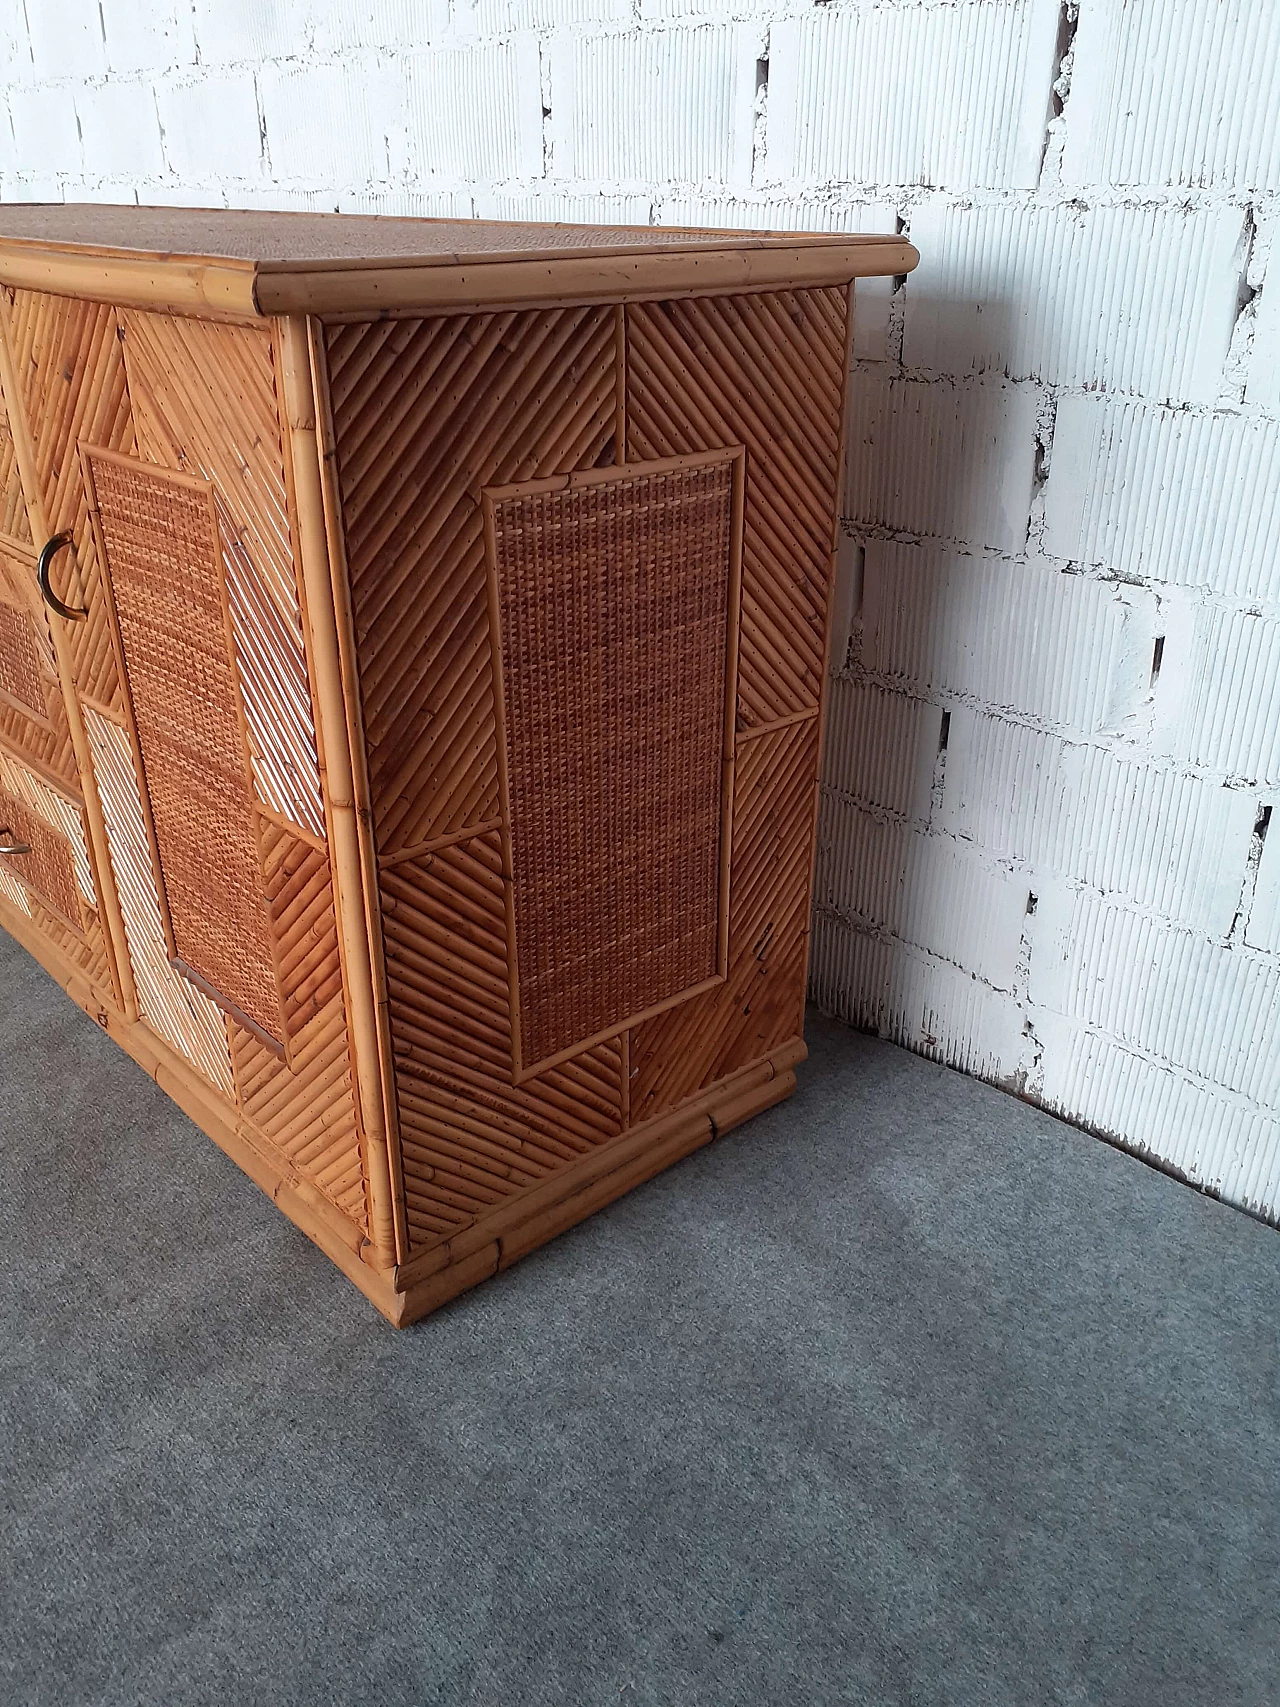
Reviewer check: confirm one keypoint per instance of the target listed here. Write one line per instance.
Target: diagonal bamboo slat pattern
(14, 522)
(470, 1136)
(73, 923)
(761, 1004)
(424, 411)
(205, 402)
(69, 356)
(767, 371)
(181, 1014)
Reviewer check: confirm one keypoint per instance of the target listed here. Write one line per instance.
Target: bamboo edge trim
(348, 663)
(334, 727)
(577, 280)
(239, 290)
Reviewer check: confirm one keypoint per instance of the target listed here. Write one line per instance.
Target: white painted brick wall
(1054, 732)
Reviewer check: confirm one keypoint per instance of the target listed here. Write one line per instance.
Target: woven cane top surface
(344, 239)
(287, 262)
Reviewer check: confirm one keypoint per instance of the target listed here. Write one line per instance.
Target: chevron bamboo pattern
(305, 1109)
(469, 1136)
(767, 371)
(72, 923)
(425, 410)
(184, 1017)
(761, 1005)
(14, 523)
(204, 402)
(69, 358)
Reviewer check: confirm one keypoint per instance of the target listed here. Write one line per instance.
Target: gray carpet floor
(903, 1393)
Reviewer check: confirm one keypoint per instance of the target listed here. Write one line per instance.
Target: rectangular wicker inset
(164, 567)
(47, 873)
(614, 599)
(20, 678)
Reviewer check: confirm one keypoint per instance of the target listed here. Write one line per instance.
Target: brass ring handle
(71, 613)
(9, 846)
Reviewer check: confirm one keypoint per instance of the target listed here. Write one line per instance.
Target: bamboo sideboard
(412, 647)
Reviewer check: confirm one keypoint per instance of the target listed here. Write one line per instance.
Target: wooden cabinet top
(228, 264)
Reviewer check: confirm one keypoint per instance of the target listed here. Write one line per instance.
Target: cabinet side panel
(767, 371)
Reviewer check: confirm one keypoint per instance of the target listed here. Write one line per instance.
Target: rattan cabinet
(412, 646)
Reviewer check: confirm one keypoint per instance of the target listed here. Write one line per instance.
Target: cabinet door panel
(163, 563)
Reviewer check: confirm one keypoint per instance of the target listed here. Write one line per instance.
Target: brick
(66, 41)
(247, 32)
(880, 747)
(120, 130)
(397, 25)
(1164, 495)
(1263, 927)
(563, 208)
(926, 889)
(1122, 297)
(938, 95)
(1202, 1006)
(1218, 1140)
(327, 124)
(1263, 386)
(1230, 713)
(15, 43)
(954, 460)
(1175, 92)
(1142, 832)
(475, 112)
(674, 104)
(1068, 651)
(46, 134)
(498, 16)
(159, 36)
(883, 985)
(210, 126)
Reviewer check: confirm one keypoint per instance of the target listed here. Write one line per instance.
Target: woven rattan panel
(47, 872)
(20, 677)
(613, 603)
(163, 558)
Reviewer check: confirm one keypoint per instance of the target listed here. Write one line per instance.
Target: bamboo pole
(335, 732)
(117, 944)
(340, 588)
(564, 281)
